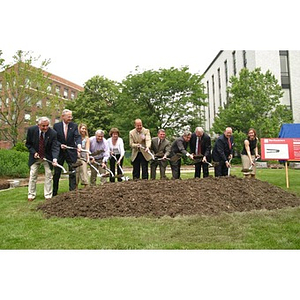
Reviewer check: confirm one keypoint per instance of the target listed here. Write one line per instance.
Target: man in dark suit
(179, 148)
(67, 136)
(161, 147)
(200, 146)
(41, 142)
(222, 153)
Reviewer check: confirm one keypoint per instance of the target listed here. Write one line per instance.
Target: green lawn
(22, 227)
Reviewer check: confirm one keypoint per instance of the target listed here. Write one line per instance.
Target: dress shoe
(30, 199)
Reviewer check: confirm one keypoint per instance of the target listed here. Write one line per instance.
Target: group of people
(70, 143)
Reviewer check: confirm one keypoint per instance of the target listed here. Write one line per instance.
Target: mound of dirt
(205, 196)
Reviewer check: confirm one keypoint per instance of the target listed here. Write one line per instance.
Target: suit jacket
(221, 149)
(73, 138)
(50, 141)
(205, 145)
(135, 138)
(179, 146)
(163, 147)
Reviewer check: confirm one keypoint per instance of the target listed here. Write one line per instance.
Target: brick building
(63, 89)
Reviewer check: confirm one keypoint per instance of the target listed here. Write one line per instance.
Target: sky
(110, 38)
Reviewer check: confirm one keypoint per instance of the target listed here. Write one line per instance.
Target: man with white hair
(223, 153)
(200, 146)
(69, 140)
(41, 141)
(99, 147)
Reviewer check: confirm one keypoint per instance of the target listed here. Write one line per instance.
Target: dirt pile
(205, 196)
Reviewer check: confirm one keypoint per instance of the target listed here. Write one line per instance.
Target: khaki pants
(94, 173)
(246, 164)
(33, 179)
(82, 174)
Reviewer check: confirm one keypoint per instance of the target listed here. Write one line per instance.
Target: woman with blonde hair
(82, 170)
(250, 154)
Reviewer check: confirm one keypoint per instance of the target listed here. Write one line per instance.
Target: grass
(22, 227)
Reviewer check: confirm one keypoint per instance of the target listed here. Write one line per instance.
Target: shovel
(73, 148)
(98, 173)
(229, 166)
(64, 170)
(152, 156)
(106, 169)
(250, 168)
(125, 178)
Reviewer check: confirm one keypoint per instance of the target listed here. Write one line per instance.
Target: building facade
(64, 90)
(284, 65)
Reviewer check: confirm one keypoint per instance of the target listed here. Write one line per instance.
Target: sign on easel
(281, 149)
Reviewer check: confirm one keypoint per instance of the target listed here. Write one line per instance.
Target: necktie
(199, 146)
(41, 146)
(229, 144)
(66, 131)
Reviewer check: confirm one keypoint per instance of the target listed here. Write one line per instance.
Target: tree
(254, 101)
(168, 98)
(22, 86)
(94, 106)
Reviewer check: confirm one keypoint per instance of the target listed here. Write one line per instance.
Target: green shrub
(13, 163)
(20, 147)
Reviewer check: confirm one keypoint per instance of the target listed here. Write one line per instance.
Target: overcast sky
(110, 38)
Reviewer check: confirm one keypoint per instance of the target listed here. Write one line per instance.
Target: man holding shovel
(41, 142)
(140, 142)
(67, 136)
(178, 149)
(200, 146)
(223, 152)
(100, 155)
(161, 148)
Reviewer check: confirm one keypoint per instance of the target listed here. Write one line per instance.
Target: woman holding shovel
(116, 150)
(250, 154)
(82, 171)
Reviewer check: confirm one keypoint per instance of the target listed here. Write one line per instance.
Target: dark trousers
(112, 164)
(139, 162)
(63, 156)
(175, 167)
(221, 169)
(162, 168)
(198, 167)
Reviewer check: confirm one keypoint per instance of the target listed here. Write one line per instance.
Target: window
(214, 95)
(57, 89)
(72, 95)
(66, 93)
(234, 63)
(219, 86)
(244, 59)
(226, 72)
(27, 117)
(49, 88)
(39, 104)
(208, 106)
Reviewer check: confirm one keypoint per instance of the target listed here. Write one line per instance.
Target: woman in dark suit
(67, 136)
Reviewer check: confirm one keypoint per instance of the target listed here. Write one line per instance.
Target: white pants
(33, 178)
